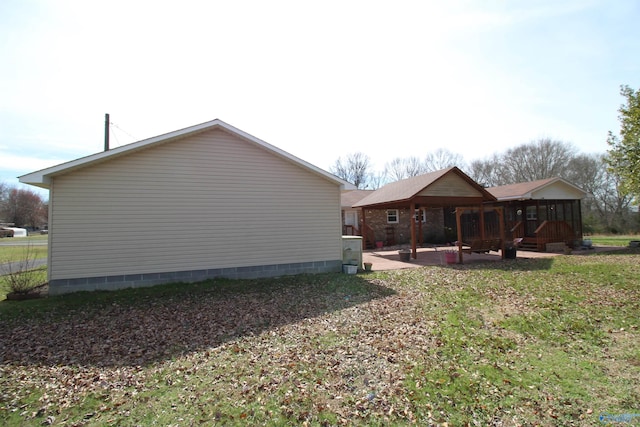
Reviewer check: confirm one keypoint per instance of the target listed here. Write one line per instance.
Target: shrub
(21, 275)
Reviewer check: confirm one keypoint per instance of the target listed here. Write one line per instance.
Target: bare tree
(401, 168)
(354, 168)
(587, 171)
(442, 159)
(4, 195)
(607, 208)
(377, 180)
(536, 160)
(24, 208)
(395, 169)
(486, 172)
(615, 204)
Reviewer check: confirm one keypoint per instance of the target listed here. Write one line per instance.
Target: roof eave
(513, 198)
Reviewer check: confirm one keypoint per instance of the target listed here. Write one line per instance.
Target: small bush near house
(21, 276)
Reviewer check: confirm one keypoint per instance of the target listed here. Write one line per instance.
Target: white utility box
(352, 251)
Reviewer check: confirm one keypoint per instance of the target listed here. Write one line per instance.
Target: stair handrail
(541, 226)
(517, 230)
(367, 233)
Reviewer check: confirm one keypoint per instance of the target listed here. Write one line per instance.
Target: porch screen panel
(543, 211)
(560, 212)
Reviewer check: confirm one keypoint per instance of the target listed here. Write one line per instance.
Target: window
(531, 213)
(420, 215)
(392, 216)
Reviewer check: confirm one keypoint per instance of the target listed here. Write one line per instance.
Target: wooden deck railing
(554, 231)
(471, 232)
(350, 230)
(368, 236)
(517, 231)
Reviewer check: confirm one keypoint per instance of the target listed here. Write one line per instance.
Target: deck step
(528, 245)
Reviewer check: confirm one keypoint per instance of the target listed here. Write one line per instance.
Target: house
(350, 215)
(409, 210)
(543, 214)
(202, 202)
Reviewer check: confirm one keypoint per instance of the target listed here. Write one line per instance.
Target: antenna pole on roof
(106, 132)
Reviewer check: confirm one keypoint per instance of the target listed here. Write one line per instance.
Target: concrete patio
(389, 259)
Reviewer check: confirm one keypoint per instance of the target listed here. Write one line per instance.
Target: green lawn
(612, 240)
(523, 342)
(36, 244)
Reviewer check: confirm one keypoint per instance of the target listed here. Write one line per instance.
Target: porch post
(459, 226)
(412, 215)
(579, 218)
(500, 211)
(363, 232)
(482, 222)
(420, 233)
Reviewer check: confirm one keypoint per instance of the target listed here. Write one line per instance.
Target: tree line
(611, 179)
(22, 207)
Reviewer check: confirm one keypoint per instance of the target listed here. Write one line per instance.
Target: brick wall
(432, 229)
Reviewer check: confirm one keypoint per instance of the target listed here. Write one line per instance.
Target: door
(532, 221)
(351, 222)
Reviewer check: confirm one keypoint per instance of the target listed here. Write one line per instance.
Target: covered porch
(440, 189)
(543, 215)
(538, 223)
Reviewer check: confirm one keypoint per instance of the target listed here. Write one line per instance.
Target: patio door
(351, 218)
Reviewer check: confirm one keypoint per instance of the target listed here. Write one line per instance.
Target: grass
(526, 342)
(13, 249)
(612, 239)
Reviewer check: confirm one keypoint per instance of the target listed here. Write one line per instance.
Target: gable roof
(350, 198)
(42, 178)
(555, 187)
(406, 189)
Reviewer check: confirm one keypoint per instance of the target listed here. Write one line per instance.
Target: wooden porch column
(363, 232)
(500, 212)
(482, 235)
(579, 218)
(459, 226)
(414, 248)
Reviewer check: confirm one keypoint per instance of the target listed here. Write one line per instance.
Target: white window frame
(396, 214)
(423, 212)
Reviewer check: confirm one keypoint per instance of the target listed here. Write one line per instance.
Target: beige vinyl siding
(450, 185)
(557, 191)
(211, 200)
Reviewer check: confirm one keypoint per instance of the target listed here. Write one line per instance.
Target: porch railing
(350, 230)
(554, 231)
(517, 231)
(368, 236)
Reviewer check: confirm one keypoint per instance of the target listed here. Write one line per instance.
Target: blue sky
(317, 79)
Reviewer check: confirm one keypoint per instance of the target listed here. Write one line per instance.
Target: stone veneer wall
(432, 229)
